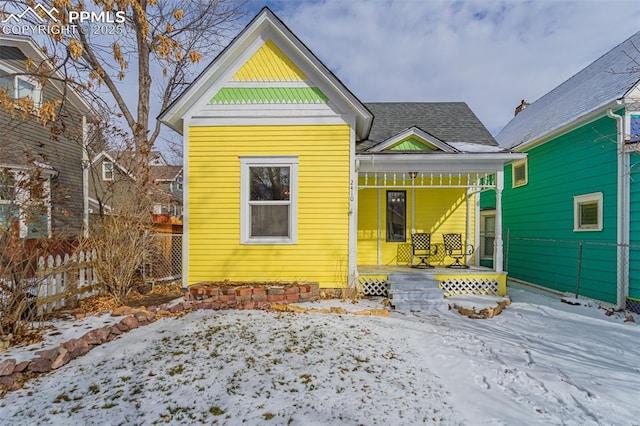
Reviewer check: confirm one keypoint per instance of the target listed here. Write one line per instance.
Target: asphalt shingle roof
(164, 172)
(605, 80)
(447, 121)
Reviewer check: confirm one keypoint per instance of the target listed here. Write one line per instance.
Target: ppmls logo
(36, 12)
(39, 20)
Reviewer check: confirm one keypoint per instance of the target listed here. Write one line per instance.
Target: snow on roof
(607, 79)
(469, 147)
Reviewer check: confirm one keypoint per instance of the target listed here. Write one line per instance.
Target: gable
(412, 144)
(269, 63)
(413, 139)
(266, 76)
(270, 77)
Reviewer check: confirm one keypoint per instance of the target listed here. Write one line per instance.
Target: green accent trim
(635, 299)
(411, 144)
(269, 95)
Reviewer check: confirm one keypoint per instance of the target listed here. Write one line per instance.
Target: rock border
(14, 374)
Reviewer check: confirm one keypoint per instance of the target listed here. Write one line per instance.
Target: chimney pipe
(521, 107)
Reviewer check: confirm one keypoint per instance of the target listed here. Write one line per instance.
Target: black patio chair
(455, 248)
(422, 249)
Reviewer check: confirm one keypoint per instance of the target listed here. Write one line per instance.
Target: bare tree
(151, 52)
(122, 241)
(157, 39)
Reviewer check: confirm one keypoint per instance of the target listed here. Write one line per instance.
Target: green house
(571, 218)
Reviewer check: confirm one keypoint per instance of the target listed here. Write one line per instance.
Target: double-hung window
(8, 207)
(107, 170)
(25, 204)
(268, 197)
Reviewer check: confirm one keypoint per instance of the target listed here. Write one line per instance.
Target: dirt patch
(160, 294)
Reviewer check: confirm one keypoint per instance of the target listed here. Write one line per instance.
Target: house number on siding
(351, 198)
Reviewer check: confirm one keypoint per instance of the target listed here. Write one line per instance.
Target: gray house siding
(59, 145)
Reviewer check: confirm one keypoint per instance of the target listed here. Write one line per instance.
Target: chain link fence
(165, 261)
(582, 268)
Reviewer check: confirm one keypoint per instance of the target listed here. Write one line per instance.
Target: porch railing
(479, 180)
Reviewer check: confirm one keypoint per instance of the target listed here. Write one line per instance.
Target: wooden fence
(65, 279)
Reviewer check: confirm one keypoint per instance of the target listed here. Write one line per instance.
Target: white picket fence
(65, 279)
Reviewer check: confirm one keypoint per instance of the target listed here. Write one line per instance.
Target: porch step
(414, 291)
(397, 295)
(411, 281)
(418, 305)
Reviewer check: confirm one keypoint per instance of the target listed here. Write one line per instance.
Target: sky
(540, 362)
(489, 54)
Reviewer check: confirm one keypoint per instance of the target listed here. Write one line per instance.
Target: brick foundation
(214, 296)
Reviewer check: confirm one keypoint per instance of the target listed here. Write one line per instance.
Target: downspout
(623, 210)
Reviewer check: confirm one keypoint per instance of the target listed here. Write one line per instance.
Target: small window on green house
(520, 173)
(587, 212)
(396, 216)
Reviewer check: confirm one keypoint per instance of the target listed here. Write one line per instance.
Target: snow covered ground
(540, 362)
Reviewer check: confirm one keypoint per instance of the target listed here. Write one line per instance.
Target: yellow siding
(367, 227)
(269, 64)
(438, 211)
(215, 252)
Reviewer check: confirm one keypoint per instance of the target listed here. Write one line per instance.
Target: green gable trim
(269, 95)
(411, 144)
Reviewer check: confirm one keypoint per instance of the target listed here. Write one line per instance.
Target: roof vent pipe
(521, 107)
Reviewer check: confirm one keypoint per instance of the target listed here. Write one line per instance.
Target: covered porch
(400, 194)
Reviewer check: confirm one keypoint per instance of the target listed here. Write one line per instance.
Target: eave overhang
(441, 162)
(567, 127)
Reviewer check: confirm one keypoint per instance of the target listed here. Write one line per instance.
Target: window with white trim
(519, 173)
(107, 170)
(268, 197)
(19, 86)
(25, 204)
(587, 212)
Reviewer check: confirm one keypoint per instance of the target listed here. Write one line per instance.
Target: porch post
(468, 229)
(498, 255)
(476, 220)
(413, 208)
(352, 263)
(379, 232)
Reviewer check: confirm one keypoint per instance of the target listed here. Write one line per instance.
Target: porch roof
(459, 162)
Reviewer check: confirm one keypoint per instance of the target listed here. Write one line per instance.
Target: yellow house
(288, 176)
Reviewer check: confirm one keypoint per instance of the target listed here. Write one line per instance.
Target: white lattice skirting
(373, 286)
(455, 286)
